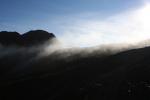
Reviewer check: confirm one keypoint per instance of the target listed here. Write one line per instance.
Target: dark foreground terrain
(25, 76)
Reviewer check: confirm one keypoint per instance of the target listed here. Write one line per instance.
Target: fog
(129, 26)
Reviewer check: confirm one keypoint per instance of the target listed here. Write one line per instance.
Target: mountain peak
(33, 37)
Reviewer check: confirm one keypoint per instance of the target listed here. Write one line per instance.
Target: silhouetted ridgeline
(24, 75)
(30, 38)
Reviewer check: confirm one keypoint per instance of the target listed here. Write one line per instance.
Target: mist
(90, 29)
(75, 50)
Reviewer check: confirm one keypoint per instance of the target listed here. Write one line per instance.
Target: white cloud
(127, 27)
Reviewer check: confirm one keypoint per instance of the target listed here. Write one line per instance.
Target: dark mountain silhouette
(10, 38)
(37, 37)
(30, 38)
(121, 76)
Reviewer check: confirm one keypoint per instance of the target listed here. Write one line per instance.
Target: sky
(79, 23)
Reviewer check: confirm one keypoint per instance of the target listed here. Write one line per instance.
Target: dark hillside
(121, 76)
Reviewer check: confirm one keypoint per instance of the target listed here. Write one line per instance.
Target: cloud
(127, 27)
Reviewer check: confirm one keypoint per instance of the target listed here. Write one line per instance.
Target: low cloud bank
(130, 26)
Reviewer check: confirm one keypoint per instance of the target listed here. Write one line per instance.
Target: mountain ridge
(97, 76)
(33, 37)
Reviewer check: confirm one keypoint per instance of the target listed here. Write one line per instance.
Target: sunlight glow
(144, 17)
(130, 27)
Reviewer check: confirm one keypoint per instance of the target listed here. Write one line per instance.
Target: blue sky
(61, 16)
(23, 15)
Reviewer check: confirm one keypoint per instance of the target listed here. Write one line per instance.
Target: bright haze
(80, 23)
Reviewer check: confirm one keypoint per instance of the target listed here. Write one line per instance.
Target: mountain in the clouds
(30, 38)
(66, 75)
(122, 76)
(37, 37)
(10, 38)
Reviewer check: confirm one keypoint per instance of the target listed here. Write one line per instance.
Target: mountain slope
(121, 76)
